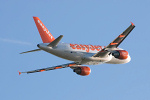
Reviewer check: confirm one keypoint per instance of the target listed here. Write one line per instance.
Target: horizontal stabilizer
(56, 41)
(31, 51)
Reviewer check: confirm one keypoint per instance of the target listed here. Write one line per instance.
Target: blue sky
(96, 22)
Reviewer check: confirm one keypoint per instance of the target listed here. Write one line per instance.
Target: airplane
(81, 55)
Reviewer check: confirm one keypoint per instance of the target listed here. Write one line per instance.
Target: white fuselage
(81, 54)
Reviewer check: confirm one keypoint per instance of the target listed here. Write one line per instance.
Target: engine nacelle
(120, 54)
(82, 70)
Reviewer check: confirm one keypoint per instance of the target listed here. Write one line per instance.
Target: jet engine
(82, 70)
(120, 54)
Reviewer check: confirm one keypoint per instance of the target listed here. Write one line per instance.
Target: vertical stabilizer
(46, 36)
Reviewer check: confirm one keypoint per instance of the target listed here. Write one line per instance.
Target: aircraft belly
(92, 63)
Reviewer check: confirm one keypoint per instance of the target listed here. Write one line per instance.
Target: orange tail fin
(46, 36)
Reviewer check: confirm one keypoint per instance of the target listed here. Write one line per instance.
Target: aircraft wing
(115, 43)
(51, 68)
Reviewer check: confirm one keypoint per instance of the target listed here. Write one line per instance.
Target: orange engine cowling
(82, 70)
(120, 54)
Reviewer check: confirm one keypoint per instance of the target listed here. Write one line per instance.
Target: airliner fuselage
(82, 54)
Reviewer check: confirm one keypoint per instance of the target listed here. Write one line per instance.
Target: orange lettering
(83, 48)
(78, 47)
(97, 48)
(87, 48)
(100, 47)
(72, 46)
(92, 48)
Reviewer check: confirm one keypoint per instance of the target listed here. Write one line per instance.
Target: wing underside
(115, 43)
(71, 65)
(121, 37)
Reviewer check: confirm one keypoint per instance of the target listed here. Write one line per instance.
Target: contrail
(14, 41)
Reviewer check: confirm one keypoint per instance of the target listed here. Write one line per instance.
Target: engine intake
(120, 54)
(82, 70)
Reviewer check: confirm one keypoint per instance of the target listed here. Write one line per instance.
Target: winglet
(19, 72)
(132, 24)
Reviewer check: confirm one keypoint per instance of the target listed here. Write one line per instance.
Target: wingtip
(61, 35)
(19, 73)
(132, 24)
